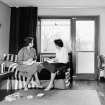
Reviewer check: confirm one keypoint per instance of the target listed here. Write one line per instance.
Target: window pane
(85, 31)
(85, 62)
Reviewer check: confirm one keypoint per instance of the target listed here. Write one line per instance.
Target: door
(85, 48)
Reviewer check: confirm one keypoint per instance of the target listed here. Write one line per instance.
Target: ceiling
(56, 3)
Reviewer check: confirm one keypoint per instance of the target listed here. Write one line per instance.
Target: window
(53, 29)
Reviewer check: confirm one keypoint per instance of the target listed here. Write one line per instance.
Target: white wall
(44, 11)
(5, 12)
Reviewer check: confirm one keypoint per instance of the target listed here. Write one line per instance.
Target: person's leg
(32, 70)
(51, 84)
(37, 69)
(21, 76)
(29, 77)
(37, 81)
(53, 69)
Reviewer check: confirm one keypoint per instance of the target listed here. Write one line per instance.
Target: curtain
(23, 23)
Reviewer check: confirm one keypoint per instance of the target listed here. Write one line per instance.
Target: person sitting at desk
(27, 65)
(59, 61)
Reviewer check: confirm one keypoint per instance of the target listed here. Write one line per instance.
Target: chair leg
(99, 77)
(24, 82)
(29, 85)
(8, 84)
(20, 84)
(67, 78)
(16, 84)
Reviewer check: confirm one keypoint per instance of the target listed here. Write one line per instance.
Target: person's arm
(20, 56)
(28, 62)
(56, 57)
(35, 56)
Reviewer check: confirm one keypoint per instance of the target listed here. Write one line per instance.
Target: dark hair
(58, 42)
(28, 40)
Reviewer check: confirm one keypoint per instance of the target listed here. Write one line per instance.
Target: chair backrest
(2, 67)
(101, 61)
(7, 57)
(10, 57)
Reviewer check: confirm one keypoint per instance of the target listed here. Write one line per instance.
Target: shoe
(49, 88)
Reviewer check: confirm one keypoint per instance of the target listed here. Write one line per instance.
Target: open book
(50, 60)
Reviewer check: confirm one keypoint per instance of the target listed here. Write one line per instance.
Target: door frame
(85, 76)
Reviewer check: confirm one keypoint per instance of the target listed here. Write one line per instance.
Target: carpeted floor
(57, 97)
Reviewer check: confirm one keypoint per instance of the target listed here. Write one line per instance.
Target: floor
(95, 85)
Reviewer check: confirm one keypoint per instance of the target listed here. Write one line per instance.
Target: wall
(5, 12)
(47, 11)
(99, 11)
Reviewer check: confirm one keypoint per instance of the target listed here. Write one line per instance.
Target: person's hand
(28, 62)
(55, 60)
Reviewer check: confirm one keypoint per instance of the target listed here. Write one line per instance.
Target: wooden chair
(20, 81)
(14, 80)
(7, 60)
(101, 66)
